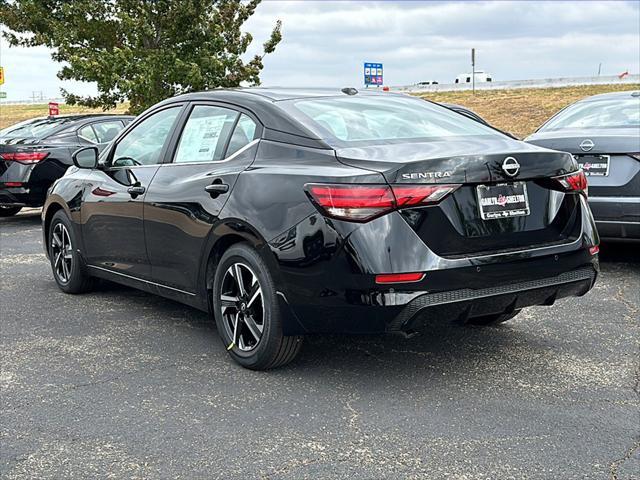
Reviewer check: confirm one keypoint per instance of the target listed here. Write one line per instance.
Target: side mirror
(86, 157)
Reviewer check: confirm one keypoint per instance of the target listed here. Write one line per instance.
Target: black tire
(250, 308)
(9, 211)
(66, 264)
(492, 320)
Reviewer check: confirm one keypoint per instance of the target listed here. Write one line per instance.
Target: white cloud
(325, 42)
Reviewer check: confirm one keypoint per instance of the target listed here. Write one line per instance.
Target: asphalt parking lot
(122, 384)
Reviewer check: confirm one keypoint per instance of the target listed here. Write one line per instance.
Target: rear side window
(243, 134)
(107, 131)
(205, 134)
(38, 128)
(614, 113)
(87, 133)
(345, 121)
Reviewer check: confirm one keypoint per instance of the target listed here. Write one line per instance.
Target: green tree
(142, 51)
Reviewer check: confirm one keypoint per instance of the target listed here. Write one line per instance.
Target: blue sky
(325, 43)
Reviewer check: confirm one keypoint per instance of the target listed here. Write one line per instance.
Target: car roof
(85, 116)
(263, 103)
(276, 94)
(612, 96)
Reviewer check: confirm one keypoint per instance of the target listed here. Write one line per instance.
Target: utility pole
(599, 68)
(473, 70)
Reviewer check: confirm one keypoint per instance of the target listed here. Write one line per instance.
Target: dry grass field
(517, 111)
(521, 111)
(10, 114)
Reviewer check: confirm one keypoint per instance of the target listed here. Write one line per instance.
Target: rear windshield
(353, 120)
(614, 113)
(38, 128)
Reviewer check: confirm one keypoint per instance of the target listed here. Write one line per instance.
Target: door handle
(216, 189)
(136, 190)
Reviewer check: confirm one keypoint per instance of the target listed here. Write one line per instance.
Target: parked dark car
(603, 133)
(36, 152)
(289, 212)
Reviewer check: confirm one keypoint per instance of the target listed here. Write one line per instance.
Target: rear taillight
(360, 203)
(574, 182)
(24, 157)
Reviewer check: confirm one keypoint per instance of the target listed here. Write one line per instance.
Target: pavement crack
(412, 352)
(616, 464)
(630, 306)
(354, 415)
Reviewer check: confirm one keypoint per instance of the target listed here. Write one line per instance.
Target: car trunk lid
(459, 224)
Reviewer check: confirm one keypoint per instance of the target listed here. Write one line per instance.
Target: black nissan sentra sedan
(290, 212)
(34, 153)
(603, 133)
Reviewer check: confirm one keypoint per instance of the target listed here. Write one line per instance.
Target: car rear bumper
(617, 217)
(20, 197)
(449, 296)
(464, 304)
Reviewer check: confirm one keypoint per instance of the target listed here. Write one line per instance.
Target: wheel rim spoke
(57, 242)
(253, 327)
(257, 293)
(236, 330)
(239, 281)
(57, 261)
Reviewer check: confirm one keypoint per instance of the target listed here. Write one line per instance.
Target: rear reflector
(399, 278)
(24, 157)
(595, 249)
(574, 182)
(360, 203)
(13, 184)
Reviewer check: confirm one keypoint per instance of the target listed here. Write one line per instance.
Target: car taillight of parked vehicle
(24, 157)
(574, 182)
(360, 203)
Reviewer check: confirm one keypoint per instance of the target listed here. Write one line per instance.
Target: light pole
(473, 70)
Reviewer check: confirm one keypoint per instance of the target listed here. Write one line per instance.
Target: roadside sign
(372, 74)
(54, 109)
(1, 75)
(3, 94)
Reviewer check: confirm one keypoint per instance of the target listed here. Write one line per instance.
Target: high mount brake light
(24, 157)
(360, 203)
(574, 182)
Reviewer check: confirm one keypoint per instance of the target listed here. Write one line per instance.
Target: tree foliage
(142, 51)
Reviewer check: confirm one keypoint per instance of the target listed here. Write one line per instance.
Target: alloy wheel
(242, 305)
(61, 252)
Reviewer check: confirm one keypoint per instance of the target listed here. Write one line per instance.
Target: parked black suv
(36, 152)
(289, 212)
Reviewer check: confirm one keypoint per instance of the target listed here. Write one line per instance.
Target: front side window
(205, 134)
(614, 113)
(143, 145)
(347, 121)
